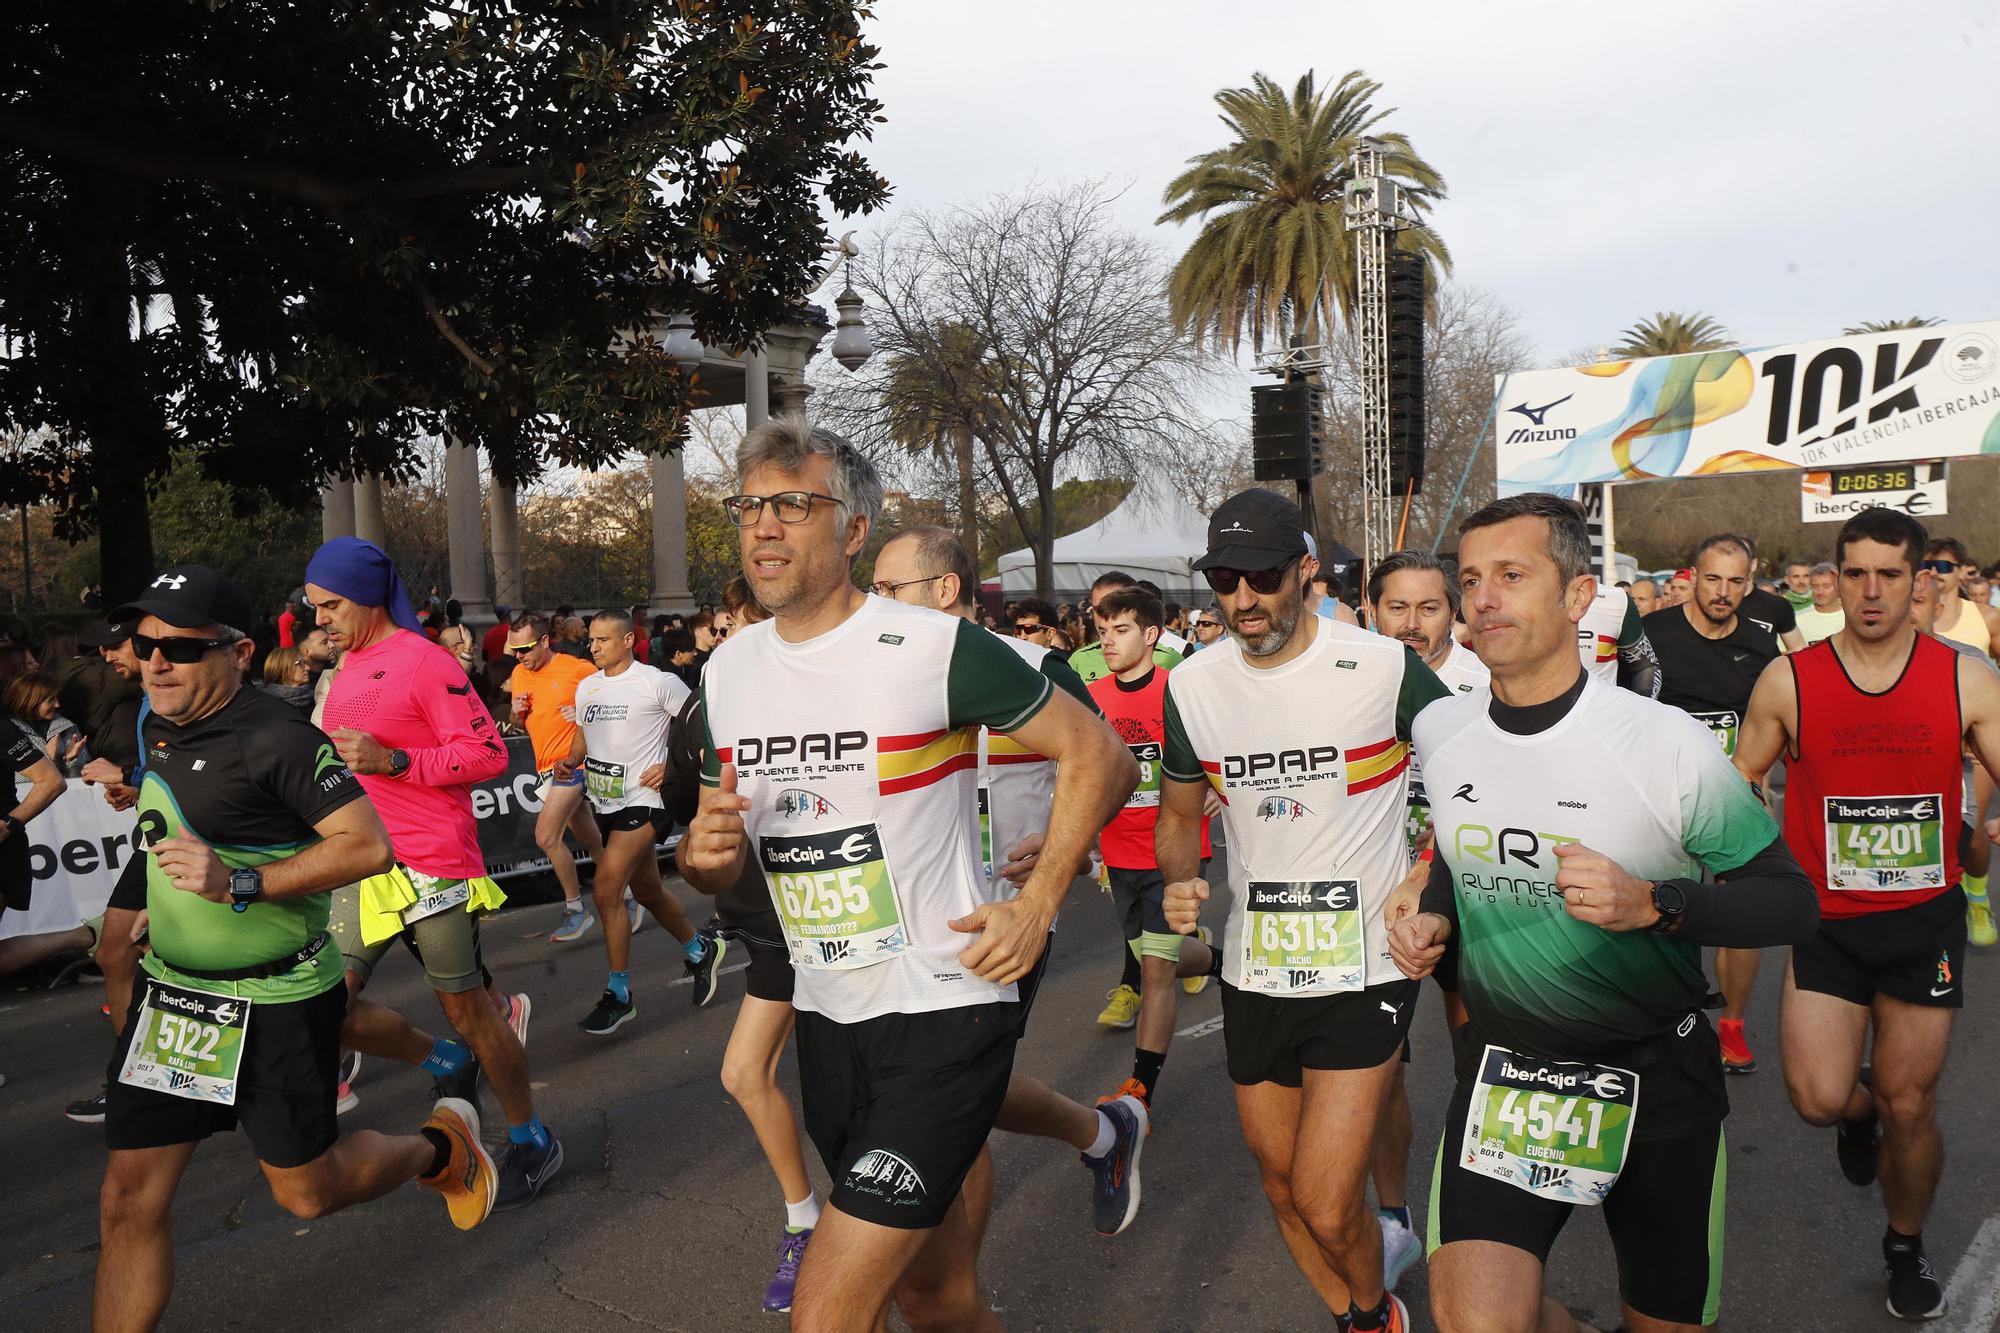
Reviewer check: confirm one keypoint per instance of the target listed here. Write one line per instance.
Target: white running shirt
(1017, 787)
(625, 720)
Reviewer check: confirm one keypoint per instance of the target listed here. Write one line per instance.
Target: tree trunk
(968, 493)
(1045, 538)
(120, 418)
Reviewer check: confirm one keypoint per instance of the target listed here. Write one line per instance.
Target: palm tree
(1274, 259)
(1890, 325)
(1672, 333)
(931, 397)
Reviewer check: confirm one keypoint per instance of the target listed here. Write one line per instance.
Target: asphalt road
(666, 1216)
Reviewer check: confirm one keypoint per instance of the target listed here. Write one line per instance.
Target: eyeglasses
(181, 652)
(1263, 582)
(1939, 566)
(887, 589)
(792, 506)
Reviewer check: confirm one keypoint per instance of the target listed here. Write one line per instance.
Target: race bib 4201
(1884, 844)
(187, 1043)
(835, 896)
(1303, 935)
(1550, 1127)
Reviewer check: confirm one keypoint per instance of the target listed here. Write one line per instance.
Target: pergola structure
(773, 376)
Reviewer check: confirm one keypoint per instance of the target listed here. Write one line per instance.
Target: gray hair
(940, 552)
(1569, 532)
(786, 442)
(1398, 561)
(1824, 567)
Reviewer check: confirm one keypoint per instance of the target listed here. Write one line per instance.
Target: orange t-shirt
(548, 691)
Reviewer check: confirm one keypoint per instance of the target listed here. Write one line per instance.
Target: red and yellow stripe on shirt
(1370, 766)
(1607, 647)
(1006, 750)
(1214, 772)
(905, 763)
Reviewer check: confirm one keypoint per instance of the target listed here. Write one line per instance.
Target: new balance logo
(1539, 415)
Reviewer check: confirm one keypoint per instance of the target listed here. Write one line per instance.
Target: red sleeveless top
(1873, 802)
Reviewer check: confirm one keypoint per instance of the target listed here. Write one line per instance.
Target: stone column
(670, 562)
(792, 395)
(504, 519)
(465, 532)
(336, 509)
(756, 389)
(369, 525)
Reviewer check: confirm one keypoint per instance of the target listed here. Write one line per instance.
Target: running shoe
(1858, 1143)
(1400, 1248)
(89, 1111)
(1196, 985)
(462, 1086)
(575, 924)
(1736, 1056)
(708, 971)
(1979, 928)
(1114, 1193)
(523, 1172)
(345, 1099)
(1132, 1087)
(1914, 1289)
(468, 1180)
(350, 1066)
(519, 1010)
(635, 916)
(610, 1014)
(791, 1251)
(1122, 1011)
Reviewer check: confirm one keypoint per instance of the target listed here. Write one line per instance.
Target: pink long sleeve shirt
(411, 695)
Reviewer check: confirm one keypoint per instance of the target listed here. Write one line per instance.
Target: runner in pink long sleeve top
(411, 695)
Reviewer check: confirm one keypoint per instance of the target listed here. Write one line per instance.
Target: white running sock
(1107, 1134)
(803, 1215)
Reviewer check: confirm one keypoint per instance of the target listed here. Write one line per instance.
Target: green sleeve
(1421, 688)
(1163, 657)
(711, 765)
(1064, 677)
(1634, 628)
(1088, 663)
(1723, 825)
(1180, 763)
(988, 685)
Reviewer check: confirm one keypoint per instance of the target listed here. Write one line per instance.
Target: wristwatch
(13, 824)
(246, 886)
(1669, 902)
(399, 763)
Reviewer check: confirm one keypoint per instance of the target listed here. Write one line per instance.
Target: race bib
(1724, 724)
(1552, 1128)
(435, 895)
(986, 830)
(1417, 815)
(187, 1043)
(603, 780)
(1884, 844)
(1147, 793)
(835, 896)
(1303, 935)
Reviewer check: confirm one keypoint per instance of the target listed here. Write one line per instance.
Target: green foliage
(1890, 325)
(1672, 333)
(1274, 257)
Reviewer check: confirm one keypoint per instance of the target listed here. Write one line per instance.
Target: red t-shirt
(494, 645)
(1137, 711)
(286, 620)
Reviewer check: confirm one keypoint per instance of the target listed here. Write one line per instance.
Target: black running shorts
(129, 893)
(285, 1095)
(1027, 986)
(1914, 954)
(769, 973)
(17, 876)
(900, 1105)
(1272, 1039)
(634, 817)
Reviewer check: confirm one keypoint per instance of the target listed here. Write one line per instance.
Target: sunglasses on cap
(181, 652)
(1263, 582)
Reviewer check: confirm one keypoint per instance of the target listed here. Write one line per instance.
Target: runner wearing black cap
(250, 819)
(1302, 726)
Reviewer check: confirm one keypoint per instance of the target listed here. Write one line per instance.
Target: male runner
(1823, 619)
(1567, 879)
(1413, 597)
(1016, 788)
(1710, 658)
(1764, 608)
(250, 818)
(1611, 643)
(1871, 723)
(1645, 595)
(624, 713)
(1798, 585)
(1088, 661)
(1977, 626)
(842, 755)
(1133, 700)
(1208, 629)
(543, 690)
(1302, 726)
(405, 720)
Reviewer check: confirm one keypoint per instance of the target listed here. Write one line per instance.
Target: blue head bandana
(363, 573)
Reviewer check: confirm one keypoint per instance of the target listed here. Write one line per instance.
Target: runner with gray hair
(786, 442)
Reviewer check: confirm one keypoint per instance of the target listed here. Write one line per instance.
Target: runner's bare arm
(48, 784)
(352, 846)
(1177, 850)
(1768, 724)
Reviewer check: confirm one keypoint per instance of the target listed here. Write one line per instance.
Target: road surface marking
(1974, 1293)
(1201, 1029)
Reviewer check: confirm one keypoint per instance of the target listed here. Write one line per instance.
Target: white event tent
(1153, 534)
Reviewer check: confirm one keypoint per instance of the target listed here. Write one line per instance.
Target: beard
(1283, 623)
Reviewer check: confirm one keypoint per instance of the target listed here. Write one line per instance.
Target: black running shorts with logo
(632, 817)
(1273, 1038)
(129, 893)
(900, 1105)
(1913, 954)
(1664, 1213)
(768, 975)
(289, 1081)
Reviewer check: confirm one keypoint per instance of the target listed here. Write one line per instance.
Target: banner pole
(1458, 492)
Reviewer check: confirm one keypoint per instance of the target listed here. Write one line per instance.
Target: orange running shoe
(468, 1181)
(1736, 1056)
(1132, 1087)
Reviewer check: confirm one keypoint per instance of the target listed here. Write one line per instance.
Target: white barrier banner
(76, 848)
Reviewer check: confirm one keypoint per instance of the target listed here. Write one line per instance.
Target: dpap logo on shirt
(798, 803)
(1303, 762)
(1282, 808)
(753, 750)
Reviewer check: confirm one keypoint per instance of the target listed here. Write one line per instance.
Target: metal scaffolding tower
(1371, 210)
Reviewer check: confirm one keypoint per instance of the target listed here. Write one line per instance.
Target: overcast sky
(1787, 167)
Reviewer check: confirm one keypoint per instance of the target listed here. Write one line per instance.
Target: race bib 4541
(1556, 1129)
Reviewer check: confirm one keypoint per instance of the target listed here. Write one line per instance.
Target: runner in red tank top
(1871, 722)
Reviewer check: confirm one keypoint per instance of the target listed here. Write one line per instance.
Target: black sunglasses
(181, 652)
(1263, 582)
(1939, 566)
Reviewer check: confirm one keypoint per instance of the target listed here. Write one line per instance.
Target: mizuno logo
(1538, 415)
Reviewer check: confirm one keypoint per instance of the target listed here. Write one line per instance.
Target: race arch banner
(1895, 397)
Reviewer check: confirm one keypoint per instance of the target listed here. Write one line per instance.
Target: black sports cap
(190, 597)
(1256, 529)
(104, 633)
